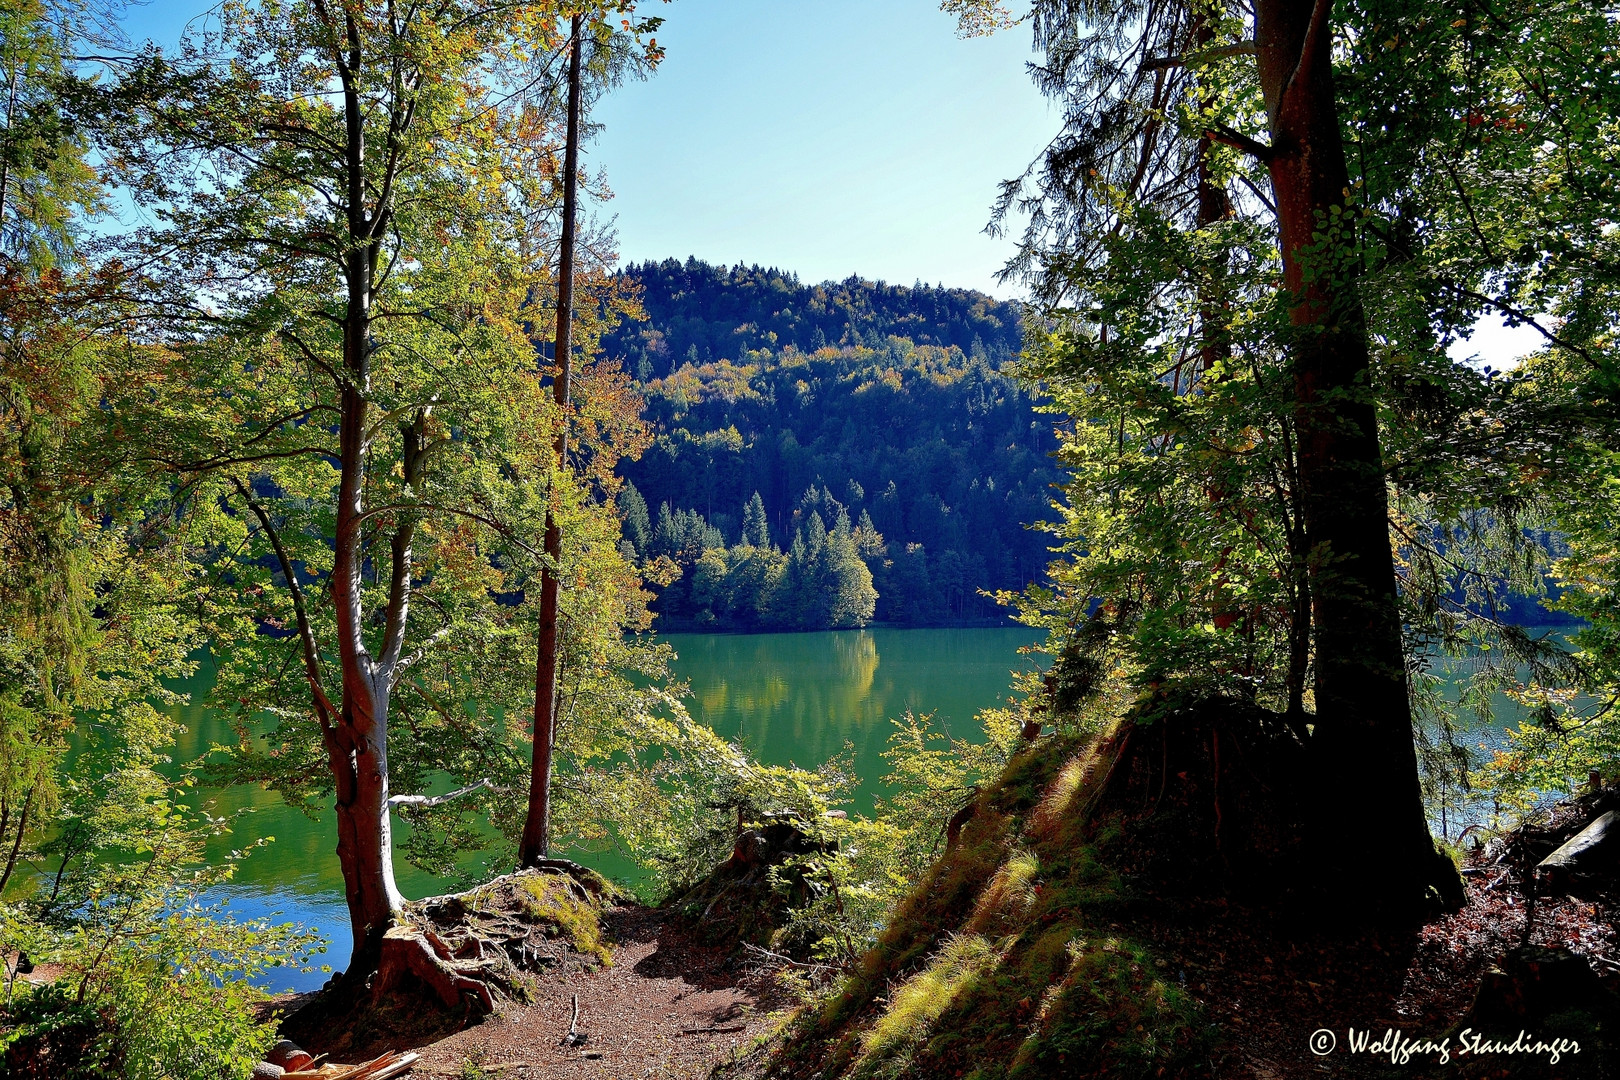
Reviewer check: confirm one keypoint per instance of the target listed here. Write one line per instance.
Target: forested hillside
(877, 428)
(698, 313)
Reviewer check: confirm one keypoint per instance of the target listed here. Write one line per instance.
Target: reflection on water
(798, 698)
(791, 698)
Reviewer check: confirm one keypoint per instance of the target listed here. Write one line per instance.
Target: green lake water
(790, 698)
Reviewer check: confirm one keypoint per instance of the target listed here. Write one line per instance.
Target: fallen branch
(384, 1067)
(713, 1030)
(788, 960)
(573, 1038)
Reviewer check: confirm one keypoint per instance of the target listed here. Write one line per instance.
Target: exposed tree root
(452, 960)
(408, 951)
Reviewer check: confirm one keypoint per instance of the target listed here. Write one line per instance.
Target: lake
(790, 698)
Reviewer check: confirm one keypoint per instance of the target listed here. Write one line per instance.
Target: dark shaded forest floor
(1270, 990)
(667, 1008)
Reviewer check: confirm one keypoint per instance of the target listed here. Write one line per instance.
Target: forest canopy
(894, 407)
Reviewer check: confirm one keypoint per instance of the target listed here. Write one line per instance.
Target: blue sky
(825, 137)
(828, 137)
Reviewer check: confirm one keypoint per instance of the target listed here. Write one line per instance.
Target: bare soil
(668, 1007)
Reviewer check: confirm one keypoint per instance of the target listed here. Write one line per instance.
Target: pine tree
(815, 536)
(666, 539)
(793, 602)
(637, 525)
(756, 529)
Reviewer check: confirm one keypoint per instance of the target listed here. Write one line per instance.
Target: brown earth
(668, 1007)
(1270, 987)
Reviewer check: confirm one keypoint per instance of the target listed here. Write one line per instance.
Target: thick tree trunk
(1371, 817)
(365, 840)
(536, 841)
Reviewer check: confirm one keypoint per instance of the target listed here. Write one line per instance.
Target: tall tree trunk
(357, 743)
(536, 842)
(1371, 821)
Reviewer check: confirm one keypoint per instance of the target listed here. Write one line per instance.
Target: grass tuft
(1008, 898)
(919, 1003)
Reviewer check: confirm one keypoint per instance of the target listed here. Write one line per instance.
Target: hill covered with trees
(698, 313)
(835, 454)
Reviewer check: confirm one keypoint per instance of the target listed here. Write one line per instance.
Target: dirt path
(666, 1008)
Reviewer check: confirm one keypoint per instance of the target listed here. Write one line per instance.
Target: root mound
(741, 902)
(1206, 799)
(1010, 958)
(452, 960)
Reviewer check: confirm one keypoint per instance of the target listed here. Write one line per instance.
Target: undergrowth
(1008, 961)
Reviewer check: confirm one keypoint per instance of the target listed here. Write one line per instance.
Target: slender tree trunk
(1371, 821)
(1215, 346)
(5, 157)
(536, 842)
(357, 744)
(16, 847)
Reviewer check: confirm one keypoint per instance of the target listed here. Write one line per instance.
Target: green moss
(549, 898)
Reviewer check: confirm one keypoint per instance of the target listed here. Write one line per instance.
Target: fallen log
(1593, 849)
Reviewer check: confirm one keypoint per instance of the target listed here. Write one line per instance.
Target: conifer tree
(756, 529)
(633, 511)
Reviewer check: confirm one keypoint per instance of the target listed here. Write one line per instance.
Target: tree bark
(1371, 821)
(536, 841)
(357, 743)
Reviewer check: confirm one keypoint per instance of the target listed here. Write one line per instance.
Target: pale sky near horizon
(824, 137)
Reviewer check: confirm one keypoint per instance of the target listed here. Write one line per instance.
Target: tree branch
(417, 654)
(1222, 134)
(1197, 59)
(222, 462)
(503, 531)
(1307, 49)
(395, 801)
(1519, 316)
(312, 660)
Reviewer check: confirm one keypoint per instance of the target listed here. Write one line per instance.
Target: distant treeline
(698, 313)
(800, 486)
